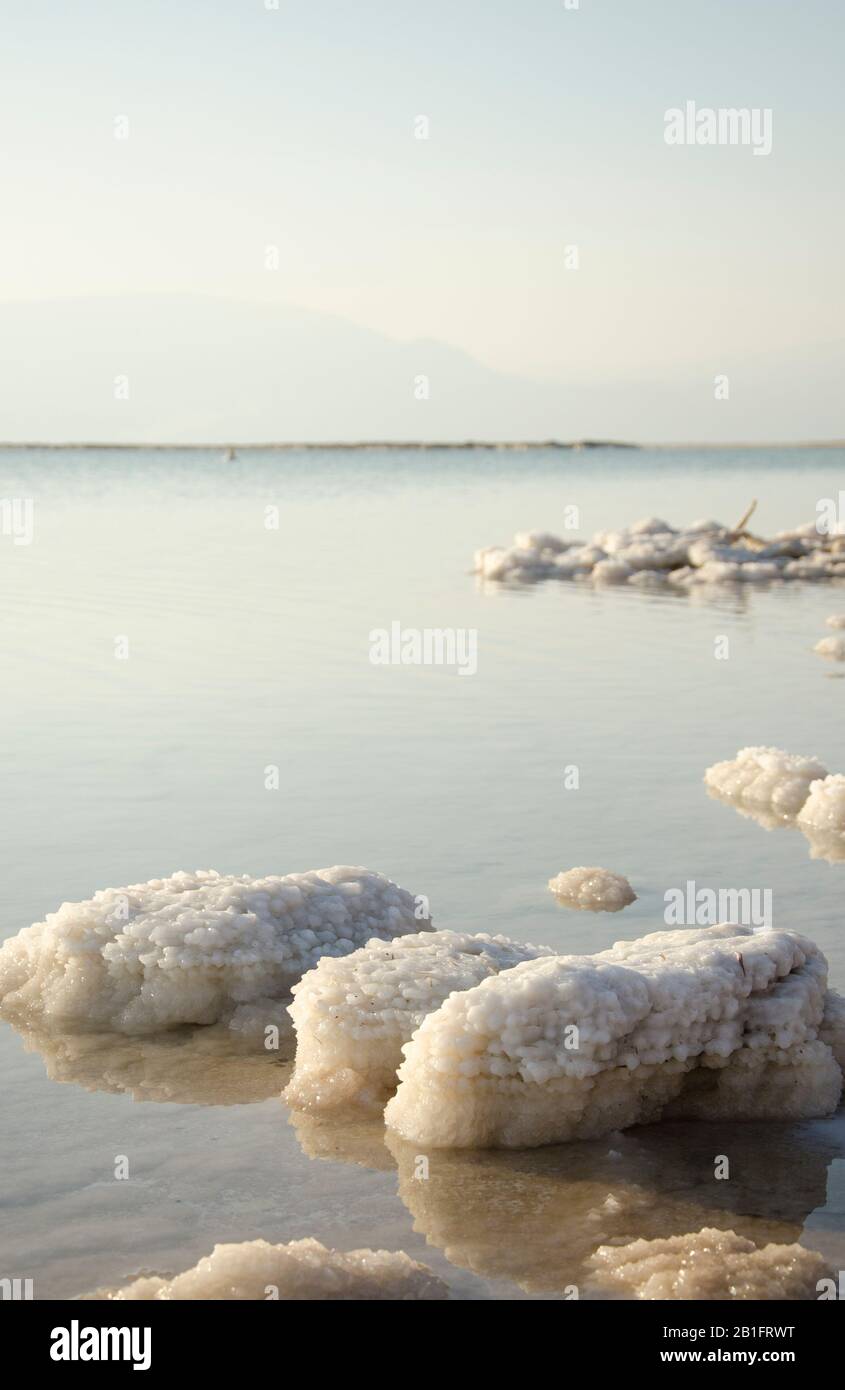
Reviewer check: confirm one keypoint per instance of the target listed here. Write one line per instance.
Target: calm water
(248, 647)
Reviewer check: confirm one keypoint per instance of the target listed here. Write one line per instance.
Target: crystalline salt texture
(352, 1016)
(195, 948)
(302, 1270)
(576, 1046)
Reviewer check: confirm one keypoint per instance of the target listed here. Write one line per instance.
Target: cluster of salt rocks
(777, 788)
(653, 554)
(499, 1051)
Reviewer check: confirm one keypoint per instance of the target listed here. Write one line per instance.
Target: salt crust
(769, 778)
(353, 1015)
(592, 890)
(302, 1270)
(195, 948)
(717, 1022)
(709, 1264)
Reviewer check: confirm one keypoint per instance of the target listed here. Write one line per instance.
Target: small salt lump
(824, 808)
(353, 1015)
(709, 1021)
(836, 620)
(765, 777)
(709, 1264)
(831, 647)
(592, 890)
(302, 1270)
(196, 947)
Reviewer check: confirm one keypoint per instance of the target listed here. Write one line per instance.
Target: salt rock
(824, 808)
(765, 777)
(836, 620)
(592, 890)
(194, 948)
(709, 1264)
(574, 1047)
(352, 1016)
(302, 1270)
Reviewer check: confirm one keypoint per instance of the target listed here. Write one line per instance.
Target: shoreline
(421, 446)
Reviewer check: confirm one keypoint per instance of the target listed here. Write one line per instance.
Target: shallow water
(248, 648)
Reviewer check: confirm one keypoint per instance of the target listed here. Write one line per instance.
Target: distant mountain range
(195, 369)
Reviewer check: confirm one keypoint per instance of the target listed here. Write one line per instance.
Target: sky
(269, 155)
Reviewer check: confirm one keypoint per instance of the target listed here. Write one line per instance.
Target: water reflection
(184, 1066)
(828, 845)
(537, 1216)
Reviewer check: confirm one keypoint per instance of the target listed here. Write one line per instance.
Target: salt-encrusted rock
(765, 777)
(824, 808)
(709, 1264)
(577, 1046)
(195, 948)
(302, 1270)
(836, 620)
(352, 1016)
(832, 1030)
(831, 647)
(592, 890)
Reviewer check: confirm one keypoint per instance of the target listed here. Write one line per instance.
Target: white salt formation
(653, 553)
(767, 778)
(824, 808)
(782, 789)
(832, 1031)
(352, 1016)
(194, 948)
(709, 1264)
(836, 620)
(592, 890)
(574, 1047)
(831, 647)
(302, 1270)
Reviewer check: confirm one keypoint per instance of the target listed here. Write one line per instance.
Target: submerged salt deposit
(592, 890)
(302, 1270)
(195, 948)
(769, 778)
(709, 1264)
(653, 553)
(717, 1021)
(352, 1016)
(831, 647)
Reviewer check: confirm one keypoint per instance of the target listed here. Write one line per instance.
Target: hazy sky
(294, 127)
